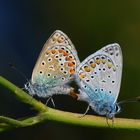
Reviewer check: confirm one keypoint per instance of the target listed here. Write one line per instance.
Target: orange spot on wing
(103, 61)
(65, 53)
(109, 65)
(98, 61)
(72, 71)
(61, 39)
(60, 50)
(68, 58)
(93, 65)
(48, 51)
(71, 64)
(54, 51)
(82, 75)
(87, 69)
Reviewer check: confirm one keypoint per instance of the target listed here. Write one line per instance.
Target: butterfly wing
(58, 38)
(57, 61)
(101, 72)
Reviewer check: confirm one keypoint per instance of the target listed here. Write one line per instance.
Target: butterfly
(99, 79)
(54, 68)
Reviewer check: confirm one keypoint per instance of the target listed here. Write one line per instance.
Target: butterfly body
(99, 78)
(55, 67)
(46, 91)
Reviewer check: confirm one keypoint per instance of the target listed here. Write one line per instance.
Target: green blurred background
(91, 24)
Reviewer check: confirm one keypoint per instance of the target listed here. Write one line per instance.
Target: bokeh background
(91, 24)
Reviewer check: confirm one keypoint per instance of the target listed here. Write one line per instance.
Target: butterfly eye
(49, 74)
(117, 108)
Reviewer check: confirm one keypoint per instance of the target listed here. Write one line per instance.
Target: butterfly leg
(53, 102)
(85, 111)
(50, 98)
(107, 121)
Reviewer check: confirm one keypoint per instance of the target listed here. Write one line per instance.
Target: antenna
(133, 100)
(17, 70)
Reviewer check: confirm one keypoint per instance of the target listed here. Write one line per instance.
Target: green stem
(49, 114)
(23, 96)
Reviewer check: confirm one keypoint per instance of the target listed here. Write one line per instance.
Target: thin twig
(48, 114)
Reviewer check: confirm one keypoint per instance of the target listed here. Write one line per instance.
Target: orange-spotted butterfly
(99, 79)
(54, 68)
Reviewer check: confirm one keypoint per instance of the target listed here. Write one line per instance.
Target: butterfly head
(106, 109)
(29, 87)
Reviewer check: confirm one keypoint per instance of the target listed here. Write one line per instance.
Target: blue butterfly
(99, 79)
(54, 68)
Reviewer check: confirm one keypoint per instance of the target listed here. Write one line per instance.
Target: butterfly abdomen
(45, 91)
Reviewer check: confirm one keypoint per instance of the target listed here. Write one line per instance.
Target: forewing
(56, 66)
(58, 38)
(102, 71)
(53, 59)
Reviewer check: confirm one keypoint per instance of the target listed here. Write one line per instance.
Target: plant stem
(23, 96)
(49, 114)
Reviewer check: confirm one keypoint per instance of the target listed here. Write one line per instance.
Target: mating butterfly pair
(98, 76)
